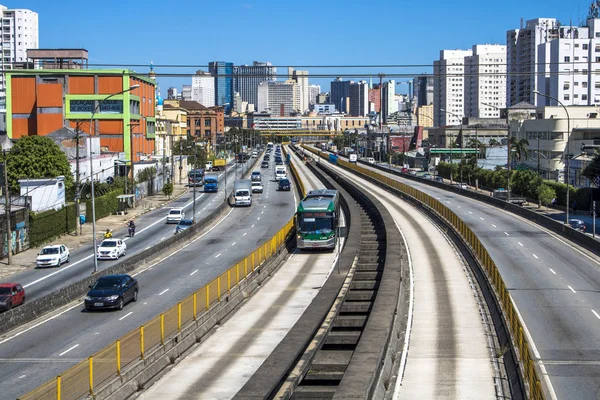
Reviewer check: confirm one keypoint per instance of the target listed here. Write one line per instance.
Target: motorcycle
(131, 231)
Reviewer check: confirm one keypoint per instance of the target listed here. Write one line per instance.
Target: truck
(242, 192)
(211, 182)
(280, 172)
(502, 194)
(196, 177)
(353, 158)
(219, 164)
(209, 165)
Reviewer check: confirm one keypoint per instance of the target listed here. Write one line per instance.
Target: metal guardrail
(522, 347)
(296, 175)
(86, 377)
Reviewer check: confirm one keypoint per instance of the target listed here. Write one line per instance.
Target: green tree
(493, 142)
(518, 148)
(168, 189)
(546, 194)
(36, 157)
(526, 183)
(592, 170)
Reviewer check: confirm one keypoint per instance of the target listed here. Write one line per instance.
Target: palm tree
(518, 147)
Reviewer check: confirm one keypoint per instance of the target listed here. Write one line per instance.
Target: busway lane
(222, 364)
(449, 353)
(151, 229)
(41, 353)
(554, 285)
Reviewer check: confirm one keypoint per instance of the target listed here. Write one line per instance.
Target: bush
(546, 194)
(105, 205)
(47, 225)
(168, 189)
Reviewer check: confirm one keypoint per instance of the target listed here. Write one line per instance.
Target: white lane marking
(535, 256)
(258, 219)
(125, 316)
(265, 206)
(506, 233)
(459, 206)
(481, 218)
(596, 314)
(57, 272)
(163, 238)
(471, 212)
(22, 376)
(572, 290)
(252, 226)
(68, 350)
(551, 270)
(245, 233)
(520, 244)
(147, 247)
(233, 244)
(163, 292)
(494, 226)
(193, 272)
(262, 212)
(218, 255)
(145, 303)
(204, 209)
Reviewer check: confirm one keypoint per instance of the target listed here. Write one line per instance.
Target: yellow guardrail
(84, 378)
(296, 175)
(516, 326)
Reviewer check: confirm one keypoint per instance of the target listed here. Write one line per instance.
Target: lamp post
(96, 108)
(508, 151)
(567, 146)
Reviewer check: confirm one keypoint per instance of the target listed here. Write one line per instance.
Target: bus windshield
(316, 225)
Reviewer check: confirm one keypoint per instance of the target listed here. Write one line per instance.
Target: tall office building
(223, 75)
(248, 77)
(203, 88)
(19, 33)
(301, 78)
(340, 91)
(313, 93)
(359, 99)
(186, 92)
(448, 87)
(485, 81)
(390, 105)
(172, 93)
(278, 98)
(423, 90)
(523, 58)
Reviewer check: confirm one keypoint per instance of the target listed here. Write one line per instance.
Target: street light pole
(96, 108)
(567, 147)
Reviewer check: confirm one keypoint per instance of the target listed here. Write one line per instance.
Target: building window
(566, 97)
(567, 59)
(584, 85)
(584, 97)
(207, 132)
(197, 132)
(585, 46)
(197, 122)
(207, 122)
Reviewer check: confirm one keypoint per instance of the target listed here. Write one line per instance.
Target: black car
(183, 225)
(284, 184)
(112, 291)
(278, 162)
(265, 164)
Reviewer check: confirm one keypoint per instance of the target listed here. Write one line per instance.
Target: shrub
(105, 205)
(47, 225)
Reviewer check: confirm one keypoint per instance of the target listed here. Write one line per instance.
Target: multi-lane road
(32, 356)
(554, 284)
(151, 229)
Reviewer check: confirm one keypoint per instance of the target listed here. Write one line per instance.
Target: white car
(257, 187)
(111, 249)
(53, 256)
(175, 215)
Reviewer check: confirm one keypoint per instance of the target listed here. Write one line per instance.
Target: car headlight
(88, 298)
(113, 297)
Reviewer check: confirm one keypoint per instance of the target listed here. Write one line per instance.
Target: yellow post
(246, 267)
(207, 296)
(91, 376)
(162, 329)
(179, 317)
(142, 341)
(237, 273)
(195, 308)
(253, 262)
(219, 288)
(118, 357)
(228, 280)
(58, 387)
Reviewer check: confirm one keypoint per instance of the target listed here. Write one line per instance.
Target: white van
(280, 172)
(370, 160)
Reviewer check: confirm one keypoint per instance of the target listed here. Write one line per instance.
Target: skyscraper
(340, 91)
(19, 33)
(301, 78)
(278, 98)
(485, 81)
(449, 87)
(203, 88)
(359, 99)
(423, 87)
(247, 78)
(389, 105)
(223, 73)
(313, 93)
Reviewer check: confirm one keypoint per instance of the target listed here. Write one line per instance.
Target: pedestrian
(553, 202)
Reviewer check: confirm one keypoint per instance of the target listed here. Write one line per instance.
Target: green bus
(317, 220)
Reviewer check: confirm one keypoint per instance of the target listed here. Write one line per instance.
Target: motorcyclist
(108, 234)
(131, 226)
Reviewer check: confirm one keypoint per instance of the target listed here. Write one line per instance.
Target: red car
(11, 295)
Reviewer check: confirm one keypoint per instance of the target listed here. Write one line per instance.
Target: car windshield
(284, 182)
(255, 183)
(4, 290)
(107, 284)
(173, 212)
(186, 222)
(241, 193)
(109, 243)
(49, 250)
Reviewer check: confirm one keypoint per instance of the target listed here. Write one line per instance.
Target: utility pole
(195, 183)
(180, 160)
(78, 227)
(170, 133)
(131, 159)
(7, 212)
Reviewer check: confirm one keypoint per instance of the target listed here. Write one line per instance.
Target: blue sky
(309, 32)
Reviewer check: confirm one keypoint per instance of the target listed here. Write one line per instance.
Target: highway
(220, 366)
(554, 284)
(33, 356)
(151, 229)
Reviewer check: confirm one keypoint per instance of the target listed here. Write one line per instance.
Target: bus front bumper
(315, 244)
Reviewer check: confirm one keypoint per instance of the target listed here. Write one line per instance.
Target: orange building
(203, 123)
(43, 101)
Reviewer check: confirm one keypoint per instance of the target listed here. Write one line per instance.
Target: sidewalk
(26, 259)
